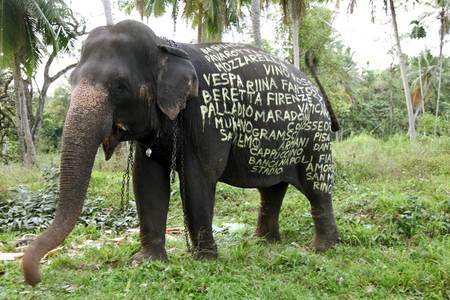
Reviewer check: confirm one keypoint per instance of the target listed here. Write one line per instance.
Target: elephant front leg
(199, 198)
(152, 192)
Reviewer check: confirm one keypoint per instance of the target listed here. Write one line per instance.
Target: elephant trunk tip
(30, 267)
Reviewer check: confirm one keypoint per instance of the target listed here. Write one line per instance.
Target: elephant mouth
(117, 135)
(120, 133)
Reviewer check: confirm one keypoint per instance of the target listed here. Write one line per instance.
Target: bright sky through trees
(369, 42)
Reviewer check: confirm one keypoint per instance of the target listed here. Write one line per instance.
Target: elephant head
(126, 81)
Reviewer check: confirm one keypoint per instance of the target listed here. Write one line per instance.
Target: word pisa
(268, 110)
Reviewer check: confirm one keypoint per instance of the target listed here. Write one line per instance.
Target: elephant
(216, 112)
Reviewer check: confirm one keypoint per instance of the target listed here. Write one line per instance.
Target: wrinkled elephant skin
(243, 117)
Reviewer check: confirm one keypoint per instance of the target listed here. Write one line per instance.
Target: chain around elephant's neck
(173, 166)
(125, 191)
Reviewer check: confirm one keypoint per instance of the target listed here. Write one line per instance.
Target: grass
(392, 206)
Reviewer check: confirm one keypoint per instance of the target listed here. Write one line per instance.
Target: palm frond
(29, 26)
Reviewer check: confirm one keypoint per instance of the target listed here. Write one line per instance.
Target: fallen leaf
(114, 263)
(175, 230)
(52, 253)
(69, 288)
(133, 230)
(117, 240)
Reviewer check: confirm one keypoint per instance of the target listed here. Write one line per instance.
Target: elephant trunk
(88, 121)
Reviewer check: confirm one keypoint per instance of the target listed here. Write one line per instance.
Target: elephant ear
(177, 81)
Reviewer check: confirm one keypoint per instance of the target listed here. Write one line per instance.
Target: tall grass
(392, 206)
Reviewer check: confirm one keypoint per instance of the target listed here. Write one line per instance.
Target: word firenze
(272, 115)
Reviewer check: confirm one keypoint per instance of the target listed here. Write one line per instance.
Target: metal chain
(125, 191)
(173, 160)
(181, 178)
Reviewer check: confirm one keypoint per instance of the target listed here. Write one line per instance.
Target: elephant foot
(322, 244)
(205, 251)
(205, 254)
(146, 255)
(270, 235)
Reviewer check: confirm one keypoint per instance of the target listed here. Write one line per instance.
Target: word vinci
(273, 116)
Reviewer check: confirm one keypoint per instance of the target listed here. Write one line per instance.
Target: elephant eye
(120, 86)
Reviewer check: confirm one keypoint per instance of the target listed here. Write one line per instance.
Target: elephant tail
(311, 62)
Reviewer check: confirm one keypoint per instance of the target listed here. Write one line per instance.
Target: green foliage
(28, 26)
(8, 136)
(28, 210)
(370, 101)
(392, 209)
(336, 68)
(378, 106)
(213, 17)
(418, 31)
(427, 122)
(146, 8)
(53, 118)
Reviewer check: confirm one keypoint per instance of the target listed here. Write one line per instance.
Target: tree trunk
(403, 71)
(26, 145)
(422, 94)
(441, 45)
(48, 80)
(39, 112)
(108, 12)
(199, 33)
(391, 103)
(255, 14)
(295, 23)
(295, 41)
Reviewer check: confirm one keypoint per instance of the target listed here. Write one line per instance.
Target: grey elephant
(215, 112)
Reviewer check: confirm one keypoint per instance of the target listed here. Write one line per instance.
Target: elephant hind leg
(271, 200)
(324, 221)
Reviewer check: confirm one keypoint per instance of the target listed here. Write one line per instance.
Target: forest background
(391, 157)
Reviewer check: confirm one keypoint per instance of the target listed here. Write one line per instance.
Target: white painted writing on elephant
(269, 112)
(301, 89)
(229, 57)
(224, 115)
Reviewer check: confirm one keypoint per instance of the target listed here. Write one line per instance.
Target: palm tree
(419, 32)
(403, 72)
(28, 27)
(148, 8)
(108, 11)
(212, 17)
(255, 14)
(294, 10)
(443, 30)
(389, 4)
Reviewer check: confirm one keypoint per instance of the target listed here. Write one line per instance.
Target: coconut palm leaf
(29, 26)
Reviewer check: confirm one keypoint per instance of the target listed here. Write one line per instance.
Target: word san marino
(267, 109)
